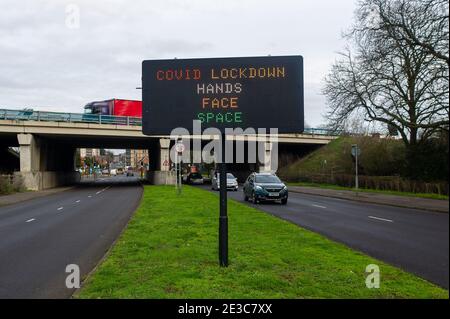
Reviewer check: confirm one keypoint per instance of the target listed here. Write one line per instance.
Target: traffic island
(170, 250)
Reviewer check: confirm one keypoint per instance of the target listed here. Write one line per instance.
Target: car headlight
(284, 189)
(258, 188)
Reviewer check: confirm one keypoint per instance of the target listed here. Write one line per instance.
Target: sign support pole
(223, 218)
(179, 149)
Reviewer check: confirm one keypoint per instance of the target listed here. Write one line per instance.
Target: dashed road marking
(78, 201)
(89, 196)
(382, 219)
(106, 188)
(60, 208)
(30, 220)
(319, 206)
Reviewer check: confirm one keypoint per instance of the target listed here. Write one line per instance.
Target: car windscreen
(195, 176)
(266, 179)
(230, 176)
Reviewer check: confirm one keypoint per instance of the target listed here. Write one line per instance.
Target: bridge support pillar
(165, 154)
(161, 173)
(269, 163)
(30, 155)
(44, 165)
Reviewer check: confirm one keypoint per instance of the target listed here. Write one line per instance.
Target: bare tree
(399, 72)
(428, 29)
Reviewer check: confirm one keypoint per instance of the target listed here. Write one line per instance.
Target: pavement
(41, 236)
(435, 205)
(24, 196)
(414, 240)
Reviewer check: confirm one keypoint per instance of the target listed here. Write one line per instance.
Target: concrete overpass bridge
(48, 141)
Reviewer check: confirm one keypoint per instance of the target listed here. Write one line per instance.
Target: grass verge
(169, 250)
(366, 190)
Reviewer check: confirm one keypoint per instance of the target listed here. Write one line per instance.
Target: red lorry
(115, 107)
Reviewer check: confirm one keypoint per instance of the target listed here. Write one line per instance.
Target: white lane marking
(89, 196)
(382, 219)
(30, 220)
(104, 189)
(78, 201)
(60, 208)
(318, 206)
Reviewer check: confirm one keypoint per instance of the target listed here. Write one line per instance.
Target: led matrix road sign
(257, 92)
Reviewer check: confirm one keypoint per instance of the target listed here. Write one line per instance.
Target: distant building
(138, 156)
(89, 152)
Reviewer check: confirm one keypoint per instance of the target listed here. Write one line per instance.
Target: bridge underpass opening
(9, 154)
(100, 165)
(50, 160)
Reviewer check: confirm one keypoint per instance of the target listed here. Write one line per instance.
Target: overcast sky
(49, 62)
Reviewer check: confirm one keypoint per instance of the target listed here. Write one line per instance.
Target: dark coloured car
(130, 172)
(194, 179)
(260, 187)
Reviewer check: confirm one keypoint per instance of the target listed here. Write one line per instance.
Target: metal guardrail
(30, 115)
(320, 131)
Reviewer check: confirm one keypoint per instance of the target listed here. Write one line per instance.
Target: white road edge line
(382, 219)
(318, 206)
(30, 220)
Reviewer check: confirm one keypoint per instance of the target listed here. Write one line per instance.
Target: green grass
(313, 162)
(366, 190)
(169, 250)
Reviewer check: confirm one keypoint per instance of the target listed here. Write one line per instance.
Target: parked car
(113, 172)
(261, 187)
(105, 171)
(120, 171)
(232, 183)
(194, 179)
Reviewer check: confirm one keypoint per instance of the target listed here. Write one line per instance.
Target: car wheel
(284, 201)
(254, 199)
(245, 197)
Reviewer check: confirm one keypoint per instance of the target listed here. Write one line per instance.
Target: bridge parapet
(30, 115)
(116, 121)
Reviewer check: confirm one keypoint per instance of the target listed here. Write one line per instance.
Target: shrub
(10, 184)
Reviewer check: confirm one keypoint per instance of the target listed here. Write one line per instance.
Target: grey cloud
(49, 66)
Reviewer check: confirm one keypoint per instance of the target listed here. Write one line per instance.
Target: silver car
(232, 183)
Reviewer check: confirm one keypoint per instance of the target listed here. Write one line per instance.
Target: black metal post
(223, 219)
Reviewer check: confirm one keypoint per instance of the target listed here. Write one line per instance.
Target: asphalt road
(414, 240)
(40, 237)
